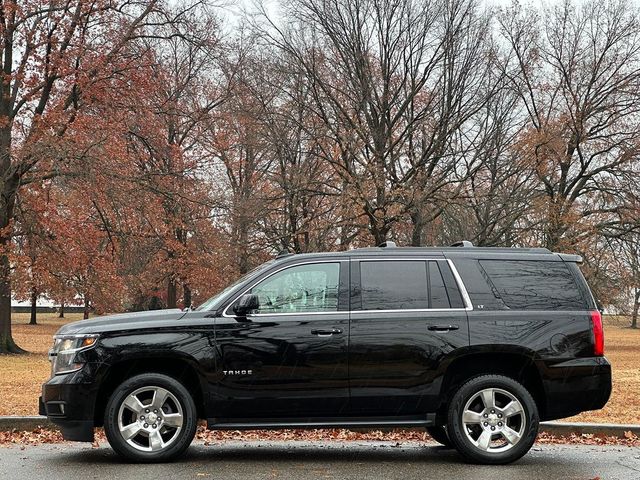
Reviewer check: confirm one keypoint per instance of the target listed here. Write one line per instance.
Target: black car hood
(124, 321)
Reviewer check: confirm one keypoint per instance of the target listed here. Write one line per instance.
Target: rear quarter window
(534, 285)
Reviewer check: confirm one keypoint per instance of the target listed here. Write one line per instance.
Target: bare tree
(238, 155)
(626, 262)
(577, 71)
(443, 147)
(186, 57)
(494, 206)
(381, 73)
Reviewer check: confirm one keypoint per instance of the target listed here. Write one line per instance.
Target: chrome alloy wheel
(494, 420)
(150, 418)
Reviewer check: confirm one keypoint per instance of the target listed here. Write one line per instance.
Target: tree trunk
(186, 295)
(242, 250)
(34, 307)
(418, 227)
(378, 228)
(8, 188)
(85, 315)
(7, 345)
(172, 294)
(555, 227)
(61, 311)
(636, 308)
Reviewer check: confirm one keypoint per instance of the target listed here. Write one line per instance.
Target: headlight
(65, 348)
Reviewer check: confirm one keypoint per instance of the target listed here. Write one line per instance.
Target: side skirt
(320, 422)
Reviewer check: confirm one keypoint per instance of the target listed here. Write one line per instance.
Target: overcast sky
(234, 8)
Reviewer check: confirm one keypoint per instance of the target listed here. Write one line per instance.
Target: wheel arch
(178, 368)
(520, 365)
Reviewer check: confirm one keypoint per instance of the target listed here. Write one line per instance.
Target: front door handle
(326, 333)
(442, 328)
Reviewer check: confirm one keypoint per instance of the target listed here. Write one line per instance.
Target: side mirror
(246, 303)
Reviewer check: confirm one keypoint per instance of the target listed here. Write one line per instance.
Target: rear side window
(407, 285)
(534, 285)
(394, 285)
(439, 297)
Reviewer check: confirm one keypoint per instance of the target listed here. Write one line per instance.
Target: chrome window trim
(463, 290)
(412, 310)
(288, 314)
(311, 262)
(458, 279)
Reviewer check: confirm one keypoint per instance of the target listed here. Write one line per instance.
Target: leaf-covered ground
(38, 436)
(22, 375)
(622, 348)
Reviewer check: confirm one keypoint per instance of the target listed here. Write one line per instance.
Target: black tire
(179, 404)
(439, 434)
(526, 422)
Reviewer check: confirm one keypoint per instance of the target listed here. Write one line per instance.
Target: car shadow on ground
(287, 452)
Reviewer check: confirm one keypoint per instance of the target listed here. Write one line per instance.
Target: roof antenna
(462, 243)
(388, 244)
(283, 253)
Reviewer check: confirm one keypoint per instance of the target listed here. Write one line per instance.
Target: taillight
(598, 333)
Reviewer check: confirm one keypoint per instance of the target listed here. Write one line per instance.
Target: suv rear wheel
(492, 419)
(150, 418)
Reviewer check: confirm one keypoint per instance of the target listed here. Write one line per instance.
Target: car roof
(536, 253)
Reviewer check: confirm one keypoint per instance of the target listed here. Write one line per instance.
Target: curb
(25, 423)
(554, 428)
(609, 429)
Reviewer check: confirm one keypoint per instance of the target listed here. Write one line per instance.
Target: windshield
(215, 301)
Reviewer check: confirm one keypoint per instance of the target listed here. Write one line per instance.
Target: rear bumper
(69, 403)
(575, 386)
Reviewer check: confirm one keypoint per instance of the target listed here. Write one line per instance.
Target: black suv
(478, 345)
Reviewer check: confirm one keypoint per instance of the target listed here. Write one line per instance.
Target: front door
(289, 357)
(407, 316)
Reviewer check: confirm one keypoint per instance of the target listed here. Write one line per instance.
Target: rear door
(407, 316)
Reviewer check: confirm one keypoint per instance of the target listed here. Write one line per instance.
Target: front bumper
(575, 386)
(69, 402)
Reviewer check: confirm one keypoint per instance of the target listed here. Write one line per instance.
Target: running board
(320, 422)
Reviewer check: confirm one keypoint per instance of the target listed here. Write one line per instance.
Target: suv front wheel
(150, 418)
(492, 419)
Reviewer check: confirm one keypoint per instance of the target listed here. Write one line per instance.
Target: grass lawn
(22, 375)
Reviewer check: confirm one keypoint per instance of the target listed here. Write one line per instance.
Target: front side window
(302, 288)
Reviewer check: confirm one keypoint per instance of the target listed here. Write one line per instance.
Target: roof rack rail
(462, 243)
(283, 253)
(388, 244)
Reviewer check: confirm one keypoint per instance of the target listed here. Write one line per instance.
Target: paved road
(298, 460)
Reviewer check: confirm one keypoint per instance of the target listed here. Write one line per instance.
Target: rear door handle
(326, 333)
(442, 328)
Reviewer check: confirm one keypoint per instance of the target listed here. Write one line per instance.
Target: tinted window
(481, 292)
(453, 290)
(303, 288)
(439, 298)
(394, 285)
(529, 285)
